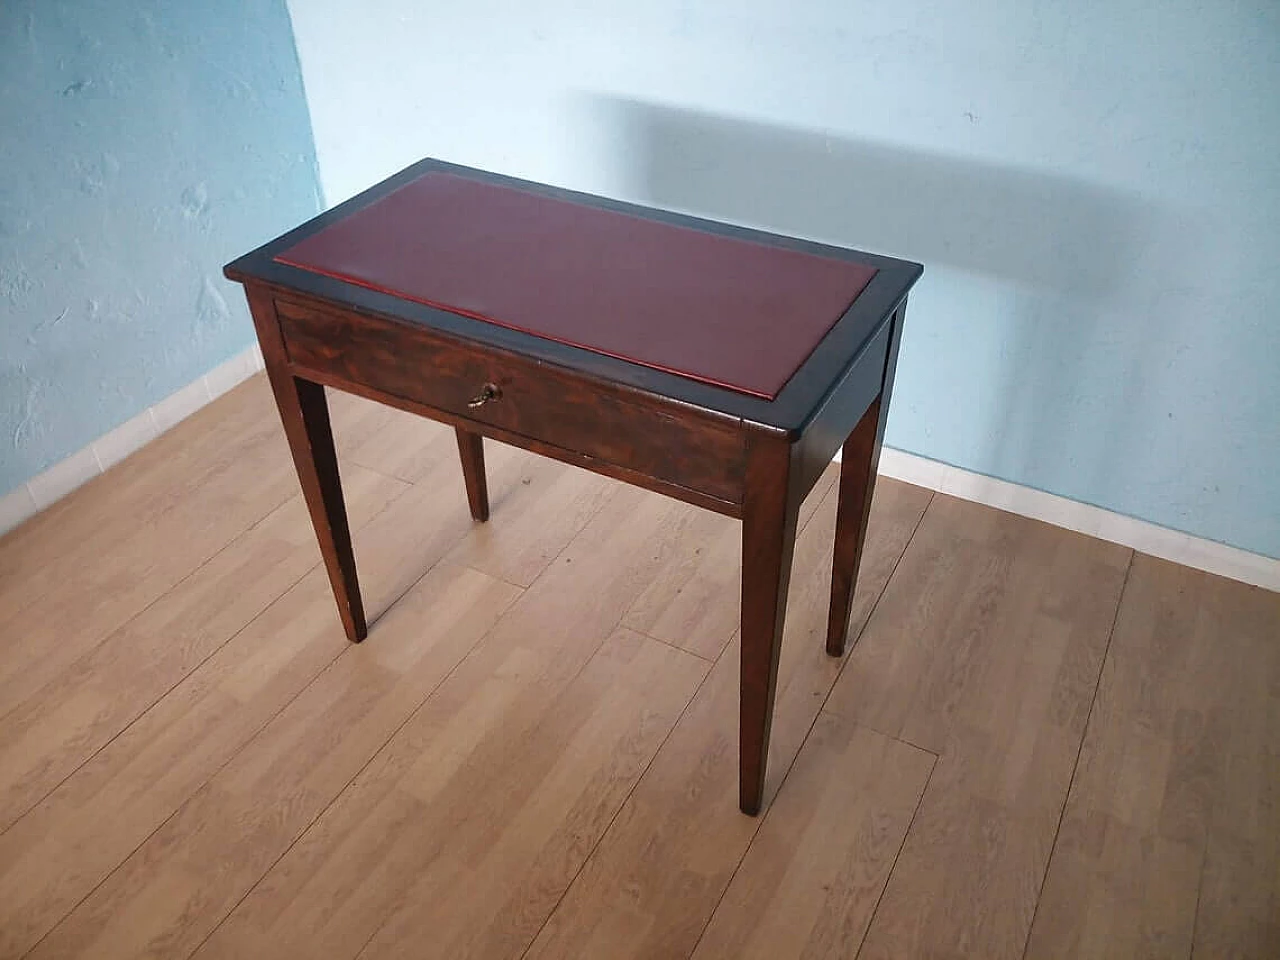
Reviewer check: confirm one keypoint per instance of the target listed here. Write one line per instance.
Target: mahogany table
(718, 365)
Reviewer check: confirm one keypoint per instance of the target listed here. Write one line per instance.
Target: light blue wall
(1095, 189)
(142, 145)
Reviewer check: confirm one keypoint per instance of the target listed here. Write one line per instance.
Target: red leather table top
(721, 310)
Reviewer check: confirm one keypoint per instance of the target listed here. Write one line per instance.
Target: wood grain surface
(1038, 744)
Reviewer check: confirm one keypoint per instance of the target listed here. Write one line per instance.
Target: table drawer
(617, 425)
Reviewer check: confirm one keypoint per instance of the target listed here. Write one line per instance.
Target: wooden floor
(1041, 745)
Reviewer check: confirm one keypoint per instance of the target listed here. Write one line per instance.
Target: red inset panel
(724, 311)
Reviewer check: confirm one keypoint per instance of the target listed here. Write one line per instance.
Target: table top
(730, 312)
(751, 324)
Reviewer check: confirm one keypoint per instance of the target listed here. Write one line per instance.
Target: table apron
(694, 455)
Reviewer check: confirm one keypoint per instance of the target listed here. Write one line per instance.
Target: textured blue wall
(1095, 189)
(142, 145)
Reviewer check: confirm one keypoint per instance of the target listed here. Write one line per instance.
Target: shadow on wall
(1056, 241)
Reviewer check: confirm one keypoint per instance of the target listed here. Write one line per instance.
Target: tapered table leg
(857, 484)
(859, 464)
(768, 540)
(305, 415)
(471, 450)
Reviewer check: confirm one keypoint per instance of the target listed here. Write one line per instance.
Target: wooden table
(701, 360)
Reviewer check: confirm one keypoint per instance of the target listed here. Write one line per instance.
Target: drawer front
(657, 438)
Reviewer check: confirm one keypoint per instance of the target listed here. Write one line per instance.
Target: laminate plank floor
(1171, 837)
(1040, 744)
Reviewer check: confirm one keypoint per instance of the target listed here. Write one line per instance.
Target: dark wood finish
(859, 464)
(533, 445)
(648, 435)
(855, 501)
(768, 538)
(710, 446)
(556, 269)
(828, 428)
(794, 406)
(305, 416)
(471, 452)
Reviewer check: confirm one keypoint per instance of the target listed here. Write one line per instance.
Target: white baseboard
(1208, 555)
(1191, 551)
(109, 449)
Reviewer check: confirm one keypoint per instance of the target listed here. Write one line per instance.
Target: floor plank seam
(151, 603)
(612, 819)
(509, 583)
(183, 805)
(372, 756)
(582, 667)
(673, 646)
(604, 833)
(368, 940)
(888, 736)
(609, 826)
(1204, 862)
(1204, 866)
(382, 473)
(1178, 766)
(805, 739)
(604, 502)
(52, 513)
(852, 647)
(587, 660)
(151, 706)
(209, 779)
(871, 919)
(724, 891)
(1075, 767)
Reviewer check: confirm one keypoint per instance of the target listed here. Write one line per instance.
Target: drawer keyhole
(488, 392)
